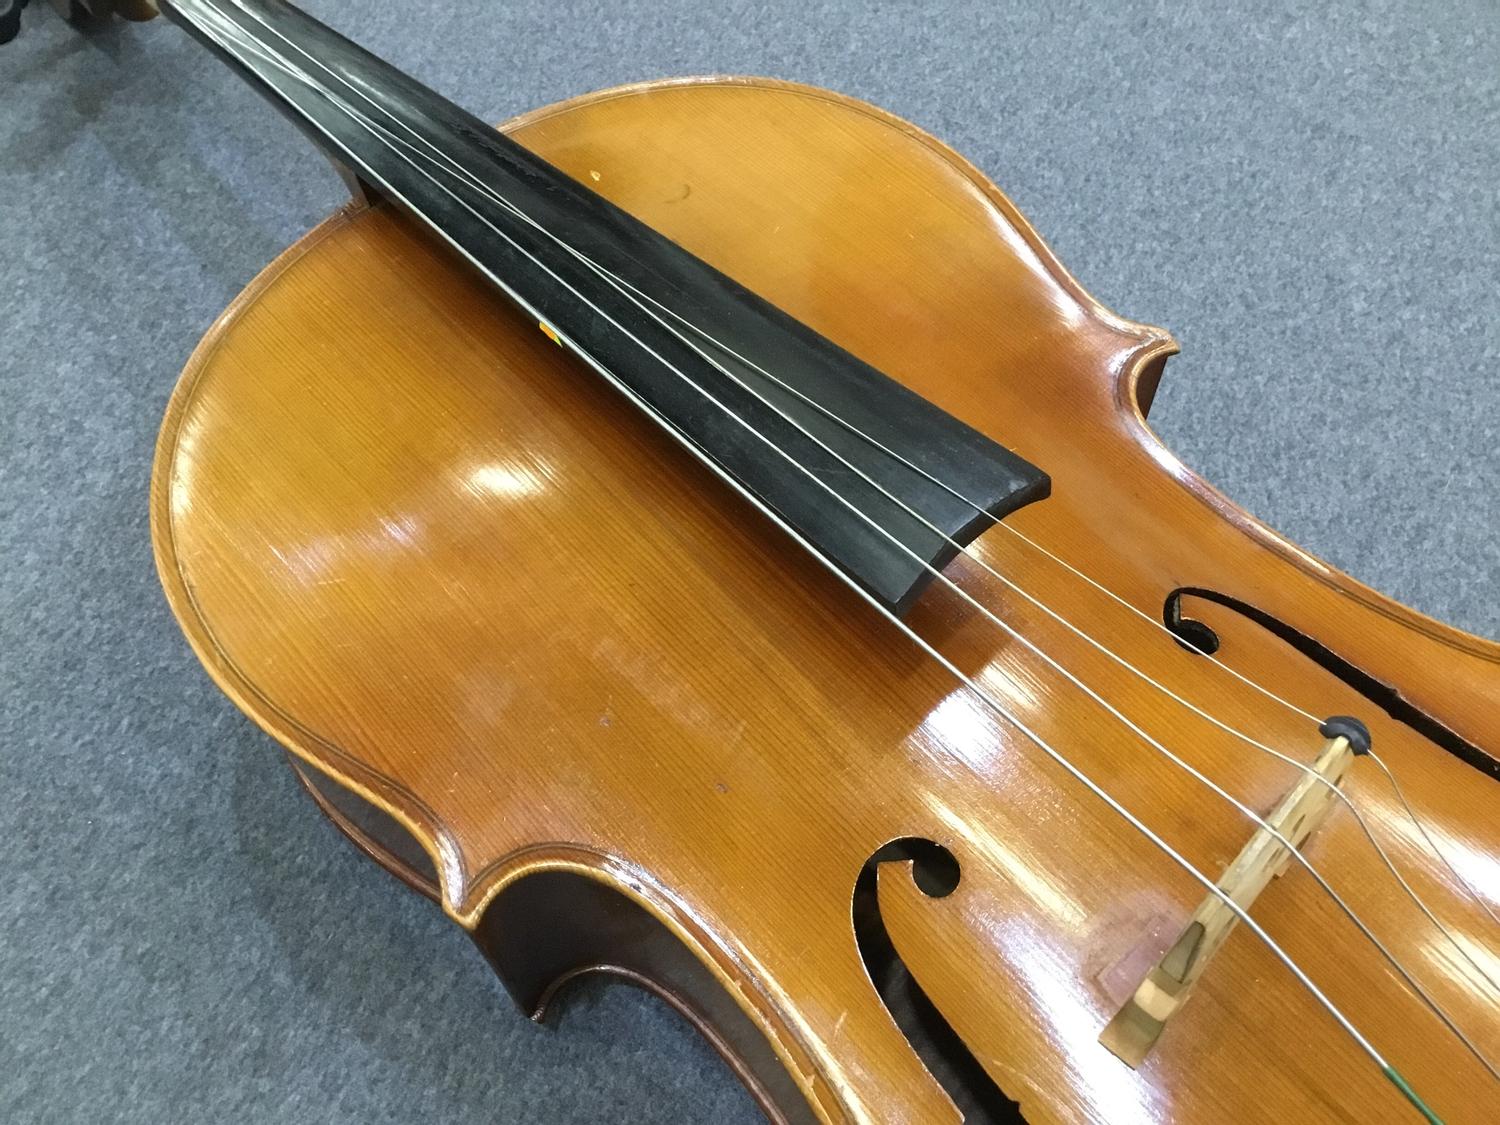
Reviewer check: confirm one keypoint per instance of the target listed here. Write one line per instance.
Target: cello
(777, 598)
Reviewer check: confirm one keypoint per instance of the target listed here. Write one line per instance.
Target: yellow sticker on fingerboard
(551, 333)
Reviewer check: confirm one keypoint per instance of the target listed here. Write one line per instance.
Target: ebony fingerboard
(846, 457)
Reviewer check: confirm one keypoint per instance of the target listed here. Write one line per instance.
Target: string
(979, 561)
(1143, 675)
(1431, 843)
(996, 522)
(687, 440)
(1442, 857)
(776, 449)
(620, 284)
(1058, 617)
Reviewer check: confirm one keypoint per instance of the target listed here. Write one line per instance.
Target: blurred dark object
(10, 19)
(79, 13)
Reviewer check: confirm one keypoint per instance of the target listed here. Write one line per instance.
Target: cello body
(539, 662)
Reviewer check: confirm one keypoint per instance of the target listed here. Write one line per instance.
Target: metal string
(992, 702)
(978, 560)
(996, 522)
(621, 285)
(618, 282)
(375, 125)
(1431, 843)
(1474, 894)
(1056, 616)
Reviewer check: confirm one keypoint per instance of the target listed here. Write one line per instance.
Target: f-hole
(1191, 634)
(1198, 637)
(936, 873)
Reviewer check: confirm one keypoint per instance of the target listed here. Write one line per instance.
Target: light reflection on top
(966, 724)
(962, 725)
(506, 480)
(1479, 870)
(1477, 966)
(1117, 1091)
(1024, 872)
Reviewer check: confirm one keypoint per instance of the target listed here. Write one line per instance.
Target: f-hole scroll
(1191, 634)
(1198, 637)
(936, 872)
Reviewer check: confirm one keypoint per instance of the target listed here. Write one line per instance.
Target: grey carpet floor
(1306, 194)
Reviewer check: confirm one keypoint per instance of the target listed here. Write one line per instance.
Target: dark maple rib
(708, 382)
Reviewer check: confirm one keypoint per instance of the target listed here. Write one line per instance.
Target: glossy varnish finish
(452, 570)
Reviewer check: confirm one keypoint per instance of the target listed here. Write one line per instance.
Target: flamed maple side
(451, 571)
